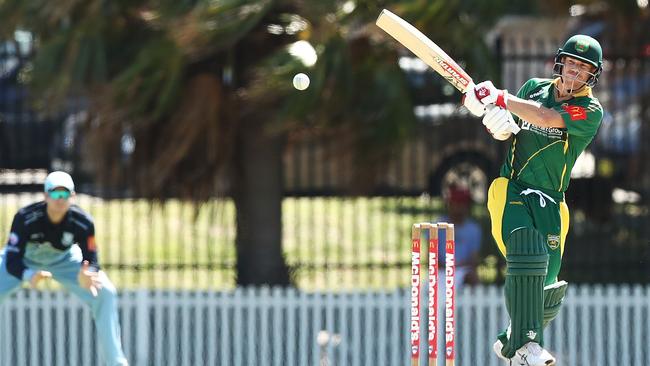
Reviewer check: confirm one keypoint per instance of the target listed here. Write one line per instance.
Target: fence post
(141, 305)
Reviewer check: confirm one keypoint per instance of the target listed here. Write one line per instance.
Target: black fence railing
(337, 241)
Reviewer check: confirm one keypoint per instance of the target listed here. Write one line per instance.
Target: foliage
(180, 76)
(203, 88)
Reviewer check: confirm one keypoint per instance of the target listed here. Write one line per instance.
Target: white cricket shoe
(530, 354)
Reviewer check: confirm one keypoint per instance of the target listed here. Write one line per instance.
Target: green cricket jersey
(544, 157)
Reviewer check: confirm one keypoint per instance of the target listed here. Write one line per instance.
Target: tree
(203, 88)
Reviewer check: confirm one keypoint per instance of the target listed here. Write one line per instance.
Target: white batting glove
(471, 102)
(487, 93)
(500, 123)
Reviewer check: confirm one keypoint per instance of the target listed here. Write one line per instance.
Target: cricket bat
(426, 50)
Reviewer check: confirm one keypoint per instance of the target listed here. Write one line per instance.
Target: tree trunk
(257, 193)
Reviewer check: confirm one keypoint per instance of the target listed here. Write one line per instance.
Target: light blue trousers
(103, 307)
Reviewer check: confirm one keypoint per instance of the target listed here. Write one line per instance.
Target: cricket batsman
(55, 239)
(558, 118)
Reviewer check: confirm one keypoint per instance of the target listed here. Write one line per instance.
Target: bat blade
(424, 48)
(429, 52)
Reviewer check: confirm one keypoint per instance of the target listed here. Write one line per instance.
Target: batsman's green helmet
(583, 48)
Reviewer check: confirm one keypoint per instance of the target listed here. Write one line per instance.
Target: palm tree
(204, 89)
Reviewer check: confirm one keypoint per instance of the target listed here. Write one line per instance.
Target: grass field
(334, 243)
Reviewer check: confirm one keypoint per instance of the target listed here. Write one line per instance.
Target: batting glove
(500, 123)
(486, 93)
(471, 102)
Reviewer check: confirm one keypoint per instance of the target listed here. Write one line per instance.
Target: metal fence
(329, 242)
(598, 325)
(341, 243)
(332, 240)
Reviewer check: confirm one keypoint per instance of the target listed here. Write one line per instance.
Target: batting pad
(527, 263)
(553, 297)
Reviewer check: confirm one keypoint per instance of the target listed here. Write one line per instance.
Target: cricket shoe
(530, 354)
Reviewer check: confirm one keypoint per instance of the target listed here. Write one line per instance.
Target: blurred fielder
(54, 239)
(558, 118)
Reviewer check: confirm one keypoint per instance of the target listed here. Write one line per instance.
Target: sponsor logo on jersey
(67, 239)
(13, 239)
(553, 241)
(537, 94)
(549, 132)
(576, 112)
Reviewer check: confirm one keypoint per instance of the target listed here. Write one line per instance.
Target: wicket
(432, 304)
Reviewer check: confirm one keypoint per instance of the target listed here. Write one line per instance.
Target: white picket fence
(602, 326)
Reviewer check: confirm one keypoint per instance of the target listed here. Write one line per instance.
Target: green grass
(355, 236)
